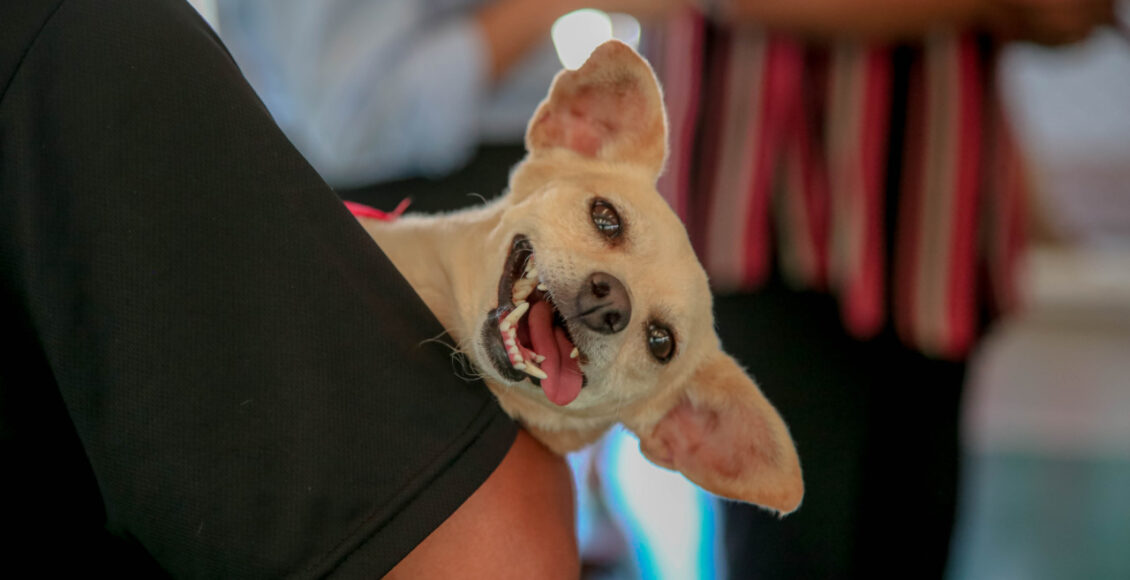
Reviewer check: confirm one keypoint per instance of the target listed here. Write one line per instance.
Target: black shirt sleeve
(211, 369)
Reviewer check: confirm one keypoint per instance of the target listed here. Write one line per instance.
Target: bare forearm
(862, 19)
(512, 27)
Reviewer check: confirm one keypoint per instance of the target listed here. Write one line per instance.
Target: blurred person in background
(850, 182)
(372, 91)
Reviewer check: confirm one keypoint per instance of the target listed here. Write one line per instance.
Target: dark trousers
(876, 426)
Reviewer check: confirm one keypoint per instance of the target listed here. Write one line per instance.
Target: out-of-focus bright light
(672, 524)
(626, 29)
(576, 34)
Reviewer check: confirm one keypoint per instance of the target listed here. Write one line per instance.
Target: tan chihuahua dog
(579, 300)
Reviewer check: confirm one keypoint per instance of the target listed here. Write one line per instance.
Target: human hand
(1050, 22)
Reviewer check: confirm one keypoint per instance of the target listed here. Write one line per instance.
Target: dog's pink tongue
(563, 381)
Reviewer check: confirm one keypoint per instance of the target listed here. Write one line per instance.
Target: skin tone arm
(863, 19)
(512, 27)
(1042, 21)
(518, 524)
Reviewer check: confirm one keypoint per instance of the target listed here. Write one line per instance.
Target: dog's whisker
(526, 261)
(461, 364)
(464, 369)
(438, 339)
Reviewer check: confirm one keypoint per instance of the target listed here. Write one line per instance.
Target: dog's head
(603, 313)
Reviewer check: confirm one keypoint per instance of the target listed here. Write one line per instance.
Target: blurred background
(1045, 478)
(1047, 424)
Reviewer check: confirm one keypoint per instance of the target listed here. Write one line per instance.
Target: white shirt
(372, 90)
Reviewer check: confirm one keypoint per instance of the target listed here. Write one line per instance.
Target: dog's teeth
(516, 314)
(504, 326)
(539, 358)
(575, 353)
(543, 287)
(514, 354)
(522, 289)
(519, 366)
(534, 371)
(509, 343)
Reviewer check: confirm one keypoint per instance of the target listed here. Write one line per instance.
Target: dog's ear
(608, 109)
(725, 436)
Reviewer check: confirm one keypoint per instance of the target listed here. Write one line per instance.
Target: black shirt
(208, 367)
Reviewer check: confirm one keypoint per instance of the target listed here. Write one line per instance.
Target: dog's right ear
(725, 436)
(609, 109)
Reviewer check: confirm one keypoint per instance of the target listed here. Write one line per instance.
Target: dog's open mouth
(527, 336)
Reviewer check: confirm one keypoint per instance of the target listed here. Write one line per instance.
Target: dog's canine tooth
(504, 326)
(543, 287)
(517, 314)
(574, 353)
(534, 371)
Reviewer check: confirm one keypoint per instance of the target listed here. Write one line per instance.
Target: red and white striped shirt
(886, 175)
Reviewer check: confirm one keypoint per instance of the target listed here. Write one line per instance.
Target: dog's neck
(441, 256)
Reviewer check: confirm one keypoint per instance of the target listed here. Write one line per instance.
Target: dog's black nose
(603, 304)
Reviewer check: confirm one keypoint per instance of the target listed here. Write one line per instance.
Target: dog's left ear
(726, 437)
(609, 109)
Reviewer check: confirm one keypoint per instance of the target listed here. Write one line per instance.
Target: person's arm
(871, 19)
(511, 28)
(1048, 21)
(519, 524)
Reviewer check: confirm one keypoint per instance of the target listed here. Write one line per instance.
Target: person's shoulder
(126, 24)
(20, 24)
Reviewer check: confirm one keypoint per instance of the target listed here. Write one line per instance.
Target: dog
(579, 300)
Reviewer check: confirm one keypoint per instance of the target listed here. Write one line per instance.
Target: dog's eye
(605, 218)
(660, 342)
